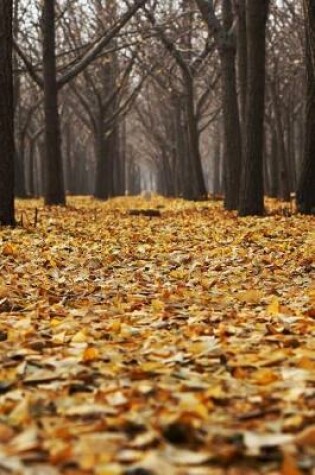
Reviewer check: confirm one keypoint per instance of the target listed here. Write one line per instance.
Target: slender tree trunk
(199, 190)
(274, 167)
(252, 186)
(19, 171)
(306, 185)
(54, 193)
(217, 189)
(105, 151)
(100, 191)
(232, 147)
(232, 143)
(179, 146)
(6, 116)
(242, 60)
(282, 152)
(31, 161)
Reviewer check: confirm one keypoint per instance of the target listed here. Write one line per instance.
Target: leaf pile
(181, 344)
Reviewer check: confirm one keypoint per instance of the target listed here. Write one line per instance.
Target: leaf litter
(178, 342)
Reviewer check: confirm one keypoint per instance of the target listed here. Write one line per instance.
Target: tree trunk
(196, 176)
(252, 186)
(232, 148)
(306, 187)
(6, 117)
(232, 144)
(31, 188)
(179, 145)
(282, 153)
(54, 193)
(217, 188)
(274, 167)
(19, 170)
(104, 147)
(242, 60)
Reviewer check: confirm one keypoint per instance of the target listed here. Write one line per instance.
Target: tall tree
(53, 174)
(6, 116)
(51, 84)
(194, 186)
(224, 36)
(252, 185)
(306, 186)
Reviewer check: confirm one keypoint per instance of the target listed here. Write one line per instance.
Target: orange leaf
(289, 465)
(90, 354)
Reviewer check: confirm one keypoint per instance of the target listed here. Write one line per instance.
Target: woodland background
(175, 97)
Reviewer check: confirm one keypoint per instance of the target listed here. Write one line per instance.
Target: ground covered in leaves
(179, 344)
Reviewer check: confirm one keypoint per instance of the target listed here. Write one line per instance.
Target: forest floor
(180, 344)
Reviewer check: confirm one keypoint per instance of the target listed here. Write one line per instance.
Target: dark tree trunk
(282, 153)
(306, 185)
(54, 193)
(232, 148)
(31, 190)
(274, 167)
(217, 188)
(242, 59)
(232, 145)
(252, 187)
(6, 117)
(100, 191)
(179, 146)
(199, 190)
(105, 148)
(19, 170)
(119, 160)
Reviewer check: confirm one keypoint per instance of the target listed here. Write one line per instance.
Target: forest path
(173, 345)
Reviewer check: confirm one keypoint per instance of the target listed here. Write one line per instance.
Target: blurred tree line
(185, 98)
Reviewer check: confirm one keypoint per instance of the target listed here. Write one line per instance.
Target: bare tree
(51, 83)
(252, 186)
(6, 116)
(306, 186)
(224, 34)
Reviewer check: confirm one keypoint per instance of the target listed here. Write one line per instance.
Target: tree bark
(6, 116)
(306, 185)
(281, 148)
(54, 193)
(252, 185)
(195, 171)
(242, 59)
(232, 146)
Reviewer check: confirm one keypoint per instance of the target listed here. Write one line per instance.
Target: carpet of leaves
(173, 345)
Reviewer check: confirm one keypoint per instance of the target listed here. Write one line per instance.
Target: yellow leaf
(190, 403)
(306, 363)
(265, 376)
(250, 296)
(54, 322)
(108, 469)
(20, 414)
(90, 354)
(274, 307)
(115, 326)
(79, 337)
(157, 305)
(59, 338)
